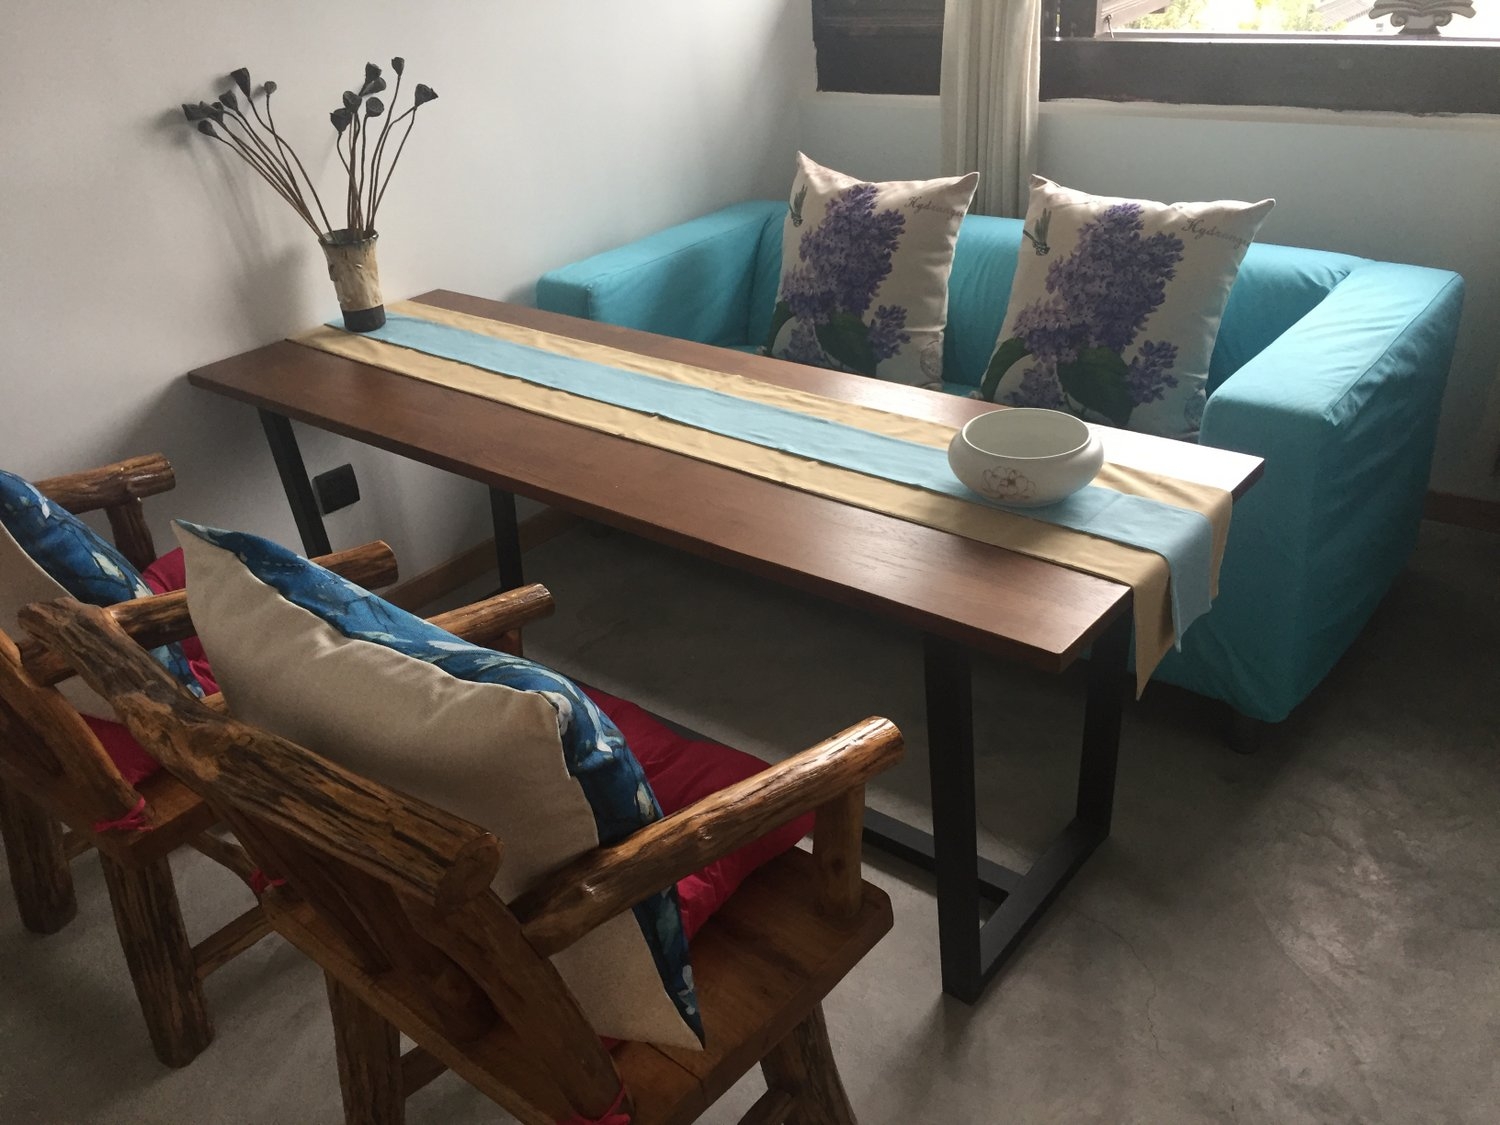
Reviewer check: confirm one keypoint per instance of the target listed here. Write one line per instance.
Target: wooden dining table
(962, 596)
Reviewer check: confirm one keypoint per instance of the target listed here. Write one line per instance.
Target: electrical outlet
(336, 488)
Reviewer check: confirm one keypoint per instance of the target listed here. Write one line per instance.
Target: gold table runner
(1144, 571)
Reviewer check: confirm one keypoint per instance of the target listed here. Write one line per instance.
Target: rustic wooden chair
(54, 771)
(392, 897)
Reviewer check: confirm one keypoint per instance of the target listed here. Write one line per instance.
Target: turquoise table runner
(1181, 536)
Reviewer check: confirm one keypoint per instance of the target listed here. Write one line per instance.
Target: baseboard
(1466, 511)
(425, 588)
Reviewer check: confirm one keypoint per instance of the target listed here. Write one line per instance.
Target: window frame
(895, 47)
(1343, 73)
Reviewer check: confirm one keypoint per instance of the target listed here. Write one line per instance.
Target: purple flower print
(1098, 299)
(842, 263)
(886, 335)
(802, 345)
(1149, 376)
(1039, 387)
(1114, 278)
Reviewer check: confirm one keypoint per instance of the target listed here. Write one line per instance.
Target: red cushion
(135, 765)
(681, 771)
(170, 573)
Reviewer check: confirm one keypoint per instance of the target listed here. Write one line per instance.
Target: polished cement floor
(1310, 934)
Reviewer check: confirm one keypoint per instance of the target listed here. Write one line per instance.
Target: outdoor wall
(1405, 189)
(132, 249)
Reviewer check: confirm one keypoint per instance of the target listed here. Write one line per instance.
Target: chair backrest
(403, 886)
(42, 737)
(117, 490)
(45, 742)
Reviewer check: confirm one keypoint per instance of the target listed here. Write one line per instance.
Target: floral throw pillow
(1116, 304)
(864, 273)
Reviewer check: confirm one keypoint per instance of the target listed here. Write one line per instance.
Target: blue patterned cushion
(594, 752)
(86, 566)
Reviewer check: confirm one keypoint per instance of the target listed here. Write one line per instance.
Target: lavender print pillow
(1115, 307)
(864, 273)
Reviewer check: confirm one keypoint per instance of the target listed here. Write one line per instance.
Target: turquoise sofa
(1331, 367)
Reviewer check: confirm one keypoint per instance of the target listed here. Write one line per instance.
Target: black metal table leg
(973, 950)
(507, 539)
(299, 490)
(955, 850)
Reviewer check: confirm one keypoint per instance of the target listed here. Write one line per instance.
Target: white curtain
(991, 64)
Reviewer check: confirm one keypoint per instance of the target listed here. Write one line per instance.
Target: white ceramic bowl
(1025, 457)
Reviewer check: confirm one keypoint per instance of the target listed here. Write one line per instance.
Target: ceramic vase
(356, 279)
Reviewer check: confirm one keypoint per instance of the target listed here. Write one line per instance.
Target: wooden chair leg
(39, 872)
(149, 922)
(369, 1052)
(802, 1064)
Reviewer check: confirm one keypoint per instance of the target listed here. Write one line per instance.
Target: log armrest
(486, 623)
(110, 485)
(163, 618)
(829, 777)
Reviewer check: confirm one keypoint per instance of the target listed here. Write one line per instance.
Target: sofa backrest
(1275, 288)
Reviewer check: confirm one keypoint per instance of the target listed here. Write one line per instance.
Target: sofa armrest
(1344, 409)
(692, 281)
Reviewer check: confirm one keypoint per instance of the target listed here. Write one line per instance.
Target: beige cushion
(1116, 305)
(23, 582)
(864, 273)
(485, 751)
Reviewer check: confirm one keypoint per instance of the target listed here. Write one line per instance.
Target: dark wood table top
(991, 599)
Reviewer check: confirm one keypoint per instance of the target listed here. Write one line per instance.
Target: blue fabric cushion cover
(87, 566)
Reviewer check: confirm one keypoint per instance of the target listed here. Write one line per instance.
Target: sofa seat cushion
(682, 771)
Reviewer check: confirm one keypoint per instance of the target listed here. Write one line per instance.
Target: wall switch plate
(336, 488)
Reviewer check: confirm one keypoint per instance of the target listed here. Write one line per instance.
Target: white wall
(132, 250)
(1406, 189)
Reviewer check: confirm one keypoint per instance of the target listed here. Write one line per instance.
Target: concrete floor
(1311, 934)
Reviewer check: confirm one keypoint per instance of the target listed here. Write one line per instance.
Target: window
(1326, 54)
(879, 46)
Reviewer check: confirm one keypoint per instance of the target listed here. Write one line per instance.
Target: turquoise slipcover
(1331, 367)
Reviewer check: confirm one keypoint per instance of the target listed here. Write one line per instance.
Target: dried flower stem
(253, 137)
(288, 150)
(412, 113)
(263, 160)
(279, 189)
(380, 148)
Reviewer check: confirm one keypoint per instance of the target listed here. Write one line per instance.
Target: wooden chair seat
(761, 966)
